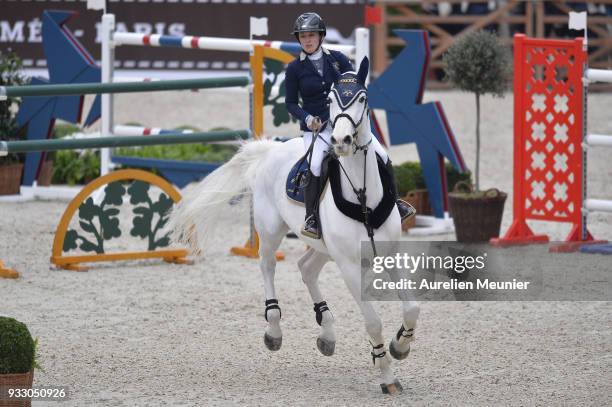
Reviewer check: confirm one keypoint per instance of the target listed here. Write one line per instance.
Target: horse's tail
(193, 220)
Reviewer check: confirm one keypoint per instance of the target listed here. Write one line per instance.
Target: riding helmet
(308, 22)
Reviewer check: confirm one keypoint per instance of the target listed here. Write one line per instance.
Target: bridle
(361, 96)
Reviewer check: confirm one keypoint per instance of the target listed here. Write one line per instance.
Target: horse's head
(348, 111)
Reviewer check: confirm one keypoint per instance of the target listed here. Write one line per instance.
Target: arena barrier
(551, 80)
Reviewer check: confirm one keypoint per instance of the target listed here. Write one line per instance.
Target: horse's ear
(364, 68)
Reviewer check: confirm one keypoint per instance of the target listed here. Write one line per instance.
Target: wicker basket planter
(477, 216)
(21, 380)
(10, 179)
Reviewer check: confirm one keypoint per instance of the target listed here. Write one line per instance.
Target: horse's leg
(310, 265)
(352, 277)
(399, 347)
(271, 230)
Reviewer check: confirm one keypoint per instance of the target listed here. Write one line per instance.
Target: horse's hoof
(393, 389)
(326, 347)
(272, 343)
(396, 353)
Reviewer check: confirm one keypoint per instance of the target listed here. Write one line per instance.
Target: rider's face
(309, 41)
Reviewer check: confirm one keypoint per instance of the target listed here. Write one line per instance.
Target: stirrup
(310, 228)
(406, 210)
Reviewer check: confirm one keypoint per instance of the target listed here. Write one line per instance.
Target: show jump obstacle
(99, 220)
(258, 50)
(551, 141)
(111, 39)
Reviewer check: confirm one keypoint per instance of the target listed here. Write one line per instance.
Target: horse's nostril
(347, 140)
(333, 141)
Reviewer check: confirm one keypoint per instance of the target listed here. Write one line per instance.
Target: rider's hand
(313, 123)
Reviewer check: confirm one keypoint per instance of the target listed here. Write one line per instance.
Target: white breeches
(320, 149)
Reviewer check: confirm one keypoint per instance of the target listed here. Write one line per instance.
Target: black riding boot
(406, 210)
(311, 198)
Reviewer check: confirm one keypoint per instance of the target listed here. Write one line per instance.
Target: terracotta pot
(21, 380)
(46, 172)
(10, 178)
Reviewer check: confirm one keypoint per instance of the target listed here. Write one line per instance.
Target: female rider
(310, 76)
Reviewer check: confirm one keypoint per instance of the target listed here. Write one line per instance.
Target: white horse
(261, 167)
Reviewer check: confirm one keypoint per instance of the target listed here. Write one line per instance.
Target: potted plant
(11, 166)
(411, 186)
(17, 357)
(481, 64)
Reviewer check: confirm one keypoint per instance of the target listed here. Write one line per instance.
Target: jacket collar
(303, 55)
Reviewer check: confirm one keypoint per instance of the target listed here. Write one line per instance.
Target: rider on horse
(310, 76)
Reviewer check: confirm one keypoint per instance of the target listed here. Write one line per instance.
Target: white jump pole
(579, 21)
(601, 140)
(107, 62)
(598, 205)
(599, 75)
(124, 130)
(215, 43)
(362, 47)
(585, 91)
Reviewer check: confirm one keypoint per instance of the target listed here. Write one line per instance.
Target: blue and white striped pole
(215, 43)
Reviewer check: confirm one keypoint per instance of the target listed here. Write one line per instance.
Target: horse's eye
(362, 99)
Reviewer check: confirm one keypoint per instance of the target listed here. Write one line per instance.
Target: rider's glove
(313, 123)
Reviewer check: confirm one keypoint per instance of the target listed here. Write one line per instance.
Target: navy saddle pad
(330, 171)
(297, 179)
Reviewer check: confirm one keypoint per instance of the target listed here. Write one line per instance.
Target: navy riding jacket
(303, 80)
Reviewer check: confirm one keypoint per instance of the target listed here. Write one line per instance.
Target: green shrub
(213, 153)
(72, 168)
(11, 74)
(453, 177)
(17, 348)
(409, 176)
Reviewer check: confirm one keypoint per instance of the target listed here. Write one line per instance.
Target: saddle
(331, 173)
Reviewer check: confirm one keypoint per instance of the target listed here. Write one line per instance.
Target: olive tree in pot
(12, 165)
(481, 64)
(18, 359)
